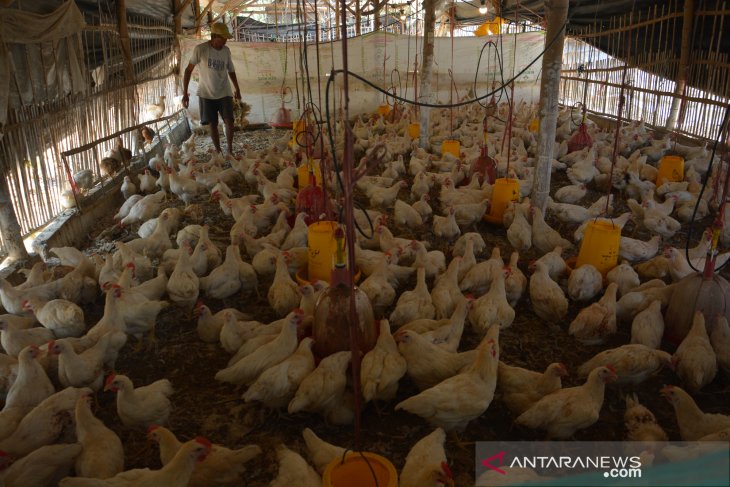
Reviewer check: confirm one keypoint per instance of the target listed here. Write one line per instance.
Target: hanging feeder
(282, 116)
(383, 109)
(671, 168)
(504, 191)
(311, 200)
(580, 139)
(451, 146)
(310, 165)
(331, 328)
(600, 246)
(357, 469)
(484, 167)
(414, 130)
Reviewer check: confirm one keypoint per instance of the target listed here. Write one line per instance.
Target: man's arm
(237, 94)
(186, 82)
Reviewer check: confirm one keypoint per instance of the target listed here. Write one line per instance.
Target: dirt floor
(205, 407)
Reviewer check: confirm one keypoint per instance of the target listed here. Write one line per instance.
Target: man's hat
(221, 30)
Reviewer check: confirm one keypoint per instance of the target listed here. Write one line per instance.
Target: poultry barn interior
(441, 224)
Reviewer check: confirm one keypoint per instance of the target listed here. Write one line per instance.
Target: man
(214, 90)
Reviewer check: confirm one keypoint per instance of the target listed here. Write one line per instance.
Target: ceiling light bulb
(483, 8)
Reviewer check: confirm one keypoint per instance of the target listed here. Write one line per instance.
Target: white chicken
(548, 300)
(322, 390)
(453, 403)
(446, 226)
(521, 388)
(693, 422)
(283, 294)
(141, 406)
(566, 411)
(294, 470)
(247, 369)
(584, 283)
(544, 237)
(695, 361)
(320, 451)
(183, 286)
(64, 318)
(102, 454)
(596, 322)
(426, 464)
(382, 367)
(176, 473)
(222, 467)
(632, 364)
(276, 386)
(647, 328)
(414, 304)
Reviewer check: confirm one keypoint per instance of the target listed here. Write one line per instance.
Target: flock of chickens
(55, 361)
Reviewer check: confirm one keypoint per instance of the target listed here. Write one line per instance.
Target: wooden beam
(124, 40)
(684, 61)
(204, 11)
(178, 8)
(183, 6)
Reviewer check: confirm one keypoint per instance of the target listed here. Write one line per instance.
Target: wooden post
(687, 21)
(177, 9)
(429, 21)
(358, 17)
(124, 39)
(9, 226)
(552, 62)
(196, 9)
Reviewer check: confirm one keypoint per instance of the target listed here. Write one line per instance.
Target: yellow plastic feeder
(322, 245)
(671, 168)
(504, 191)
(451, 146)
(303, 174)
(355, 471)
(414, 130)
(384, 109)
(298, 126)
(534, 125)
(600, 246)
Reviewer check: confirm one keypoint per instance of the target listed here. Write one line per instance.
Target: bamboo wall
(37, 134)
(651, 66)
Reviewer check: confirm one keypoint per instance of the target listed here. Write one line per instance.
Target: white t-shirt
(213, 70)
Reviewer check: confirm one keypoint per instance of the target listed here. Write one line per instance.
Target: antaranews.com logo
(603, 463)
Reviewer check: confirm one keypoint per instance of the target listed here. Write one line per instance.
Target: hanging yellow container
(414, 130)
(535, 125)
(303, 174)
(384, 109)
(358, 470)
(504, 191)
(600, 246)
(322, 246)
(452, 147)
(490, 27)
(671, 168)
(298, 126)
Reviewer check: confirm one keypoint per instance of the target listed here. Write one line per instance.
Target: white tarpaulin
(40, 59)
(261, 67)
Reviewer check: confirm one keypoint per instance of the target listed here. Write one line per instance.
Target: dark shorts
(209, 109)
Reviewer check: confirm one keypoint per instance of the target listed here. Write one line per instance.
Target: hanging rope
(451, 91)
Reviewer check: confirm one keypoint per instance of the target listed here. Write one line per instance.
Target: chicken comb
(204, 441)
(51, 344)
(611, 368)
(447, 470)
(152, 427)
(3, 453)
(131, 265)
(199, 304)
(298, 311)
(110, 379)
